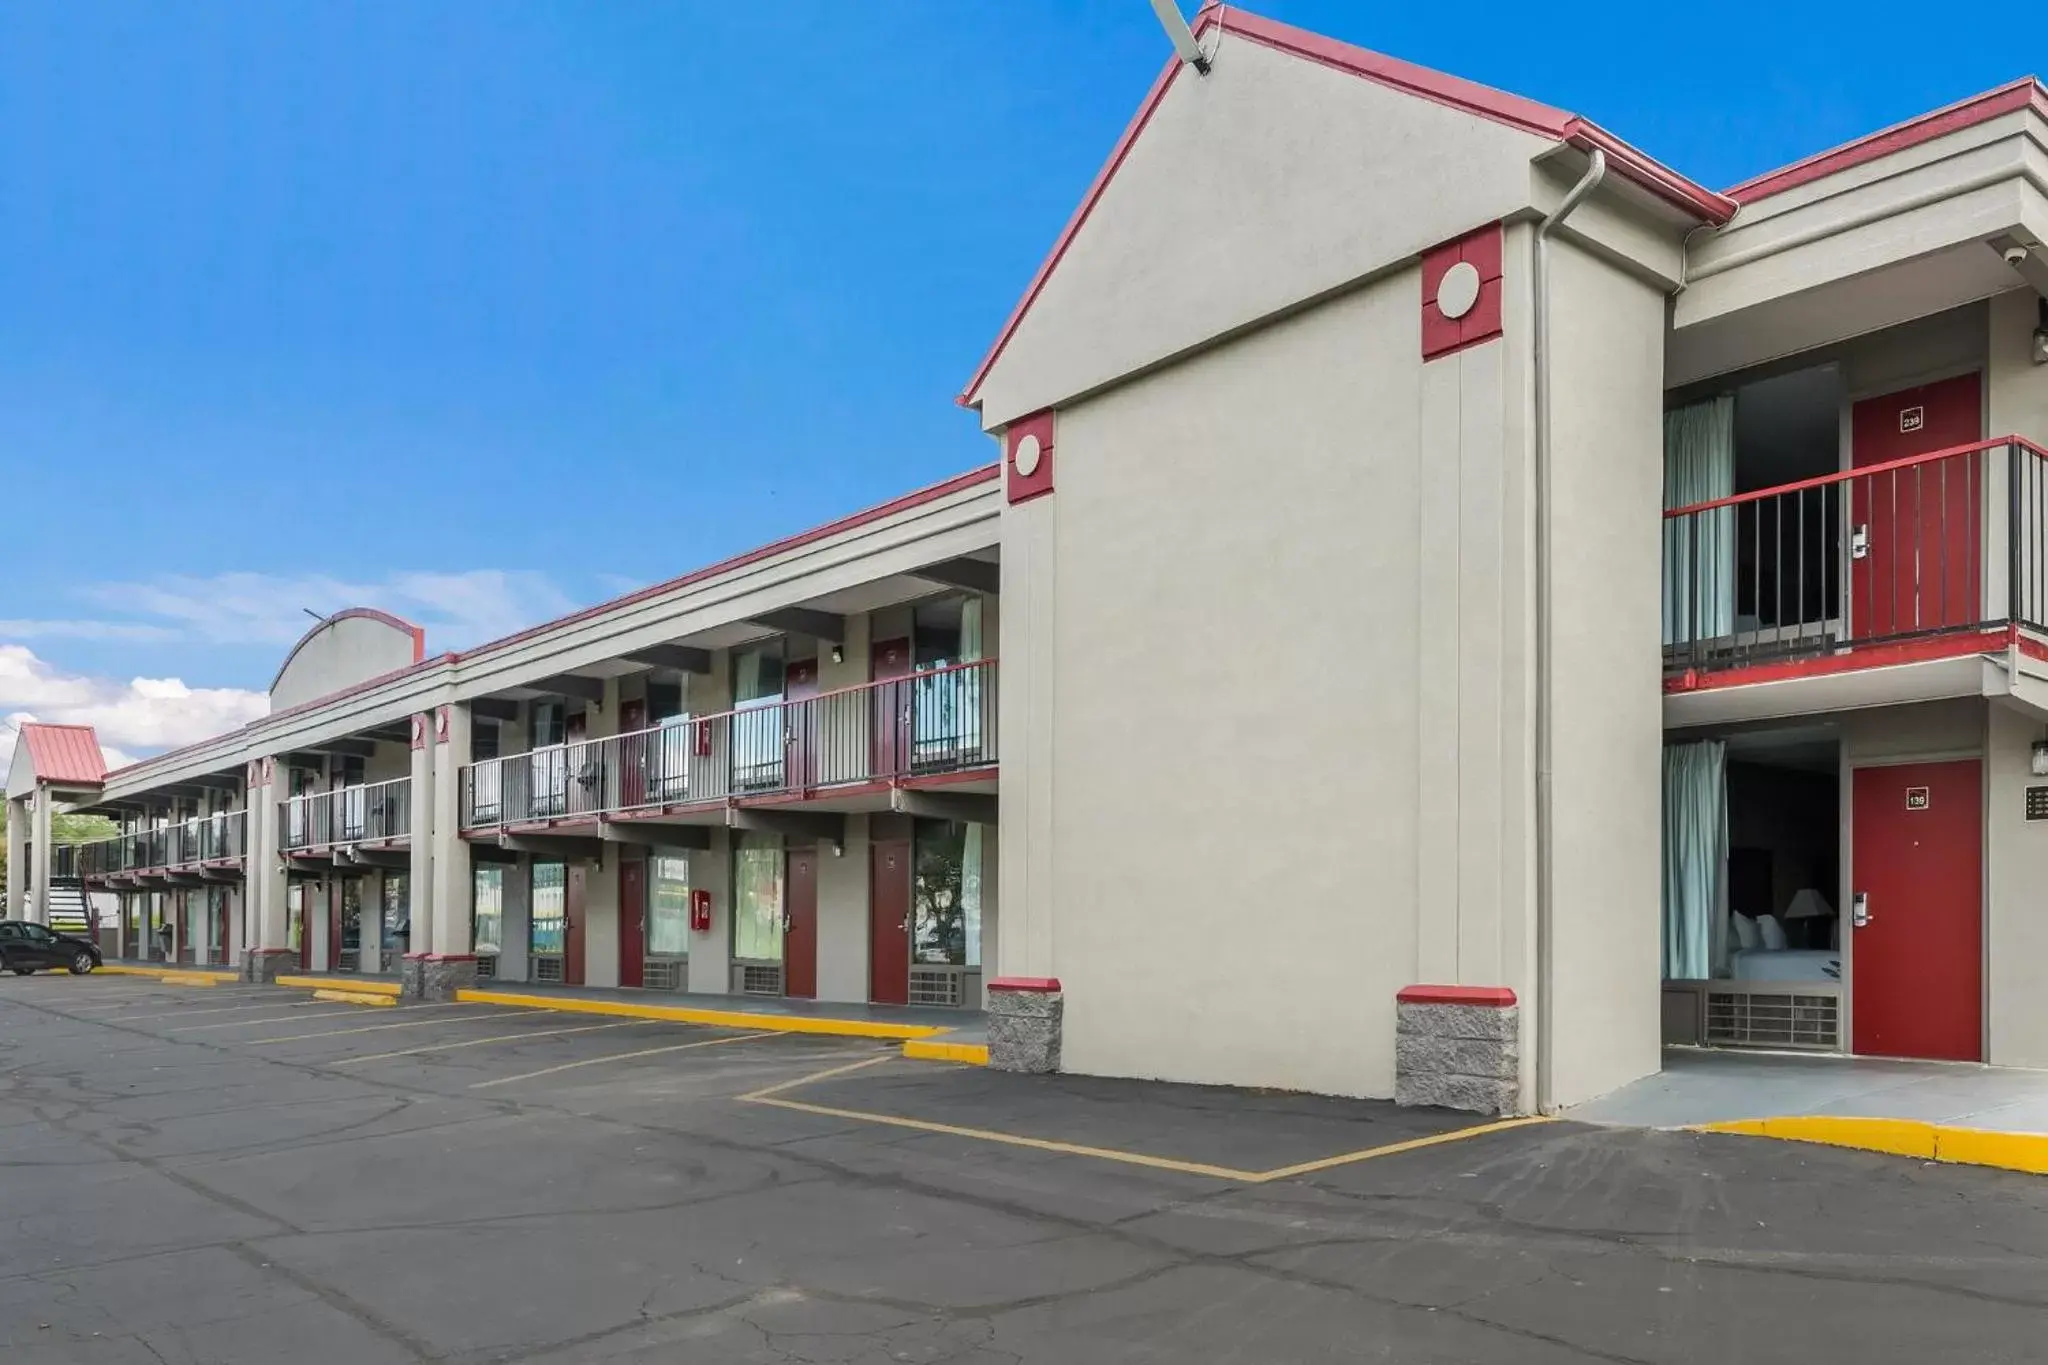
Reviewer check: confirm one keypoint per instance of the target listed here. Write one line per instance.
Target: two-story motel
(1408, 491)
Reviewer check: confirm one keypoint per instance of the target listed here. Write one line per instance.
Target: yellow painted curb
(328, 983)
(1903, 1137)
(355, 998)
(680, 1014)
(929, 1050)
(206, 979)
(164, 973)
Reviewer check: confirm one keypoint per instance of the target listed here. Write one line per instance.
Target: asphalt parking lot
(236, 1174)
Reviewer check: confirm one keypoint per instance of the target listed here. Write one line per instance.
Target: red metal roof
(65, 754)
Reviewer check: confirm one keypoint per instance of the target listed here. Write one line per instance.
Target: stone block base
(431, 976)
(265, 965)
(1024, 1016)
(1458, 1047)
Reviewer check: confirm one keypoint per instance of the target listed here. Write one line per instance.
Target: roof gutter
(1539, 275)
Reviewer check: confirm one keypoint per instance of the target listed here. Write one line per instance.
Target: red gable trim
(2027, 92)
(1453, 91)
(65, 754)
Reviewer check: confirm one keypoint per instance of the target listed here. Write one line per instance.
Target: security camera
(2015, 256)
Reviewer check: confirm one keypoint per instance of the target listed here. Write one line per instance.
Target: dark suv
(26, 948)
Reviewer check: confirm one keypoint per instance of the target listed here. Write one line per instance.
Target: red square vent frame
(1477, 311)
(1027, 457)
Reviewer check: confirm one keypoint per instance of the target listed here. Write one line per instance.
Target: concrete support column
(1024, 717)
(269, 953)
(17, 859)
(39, 858)
(428, 755)
(449, 965)
(1025, 1019)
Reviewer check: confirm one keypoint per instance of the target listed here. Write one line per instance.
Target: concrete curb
(352, 997)
(329, 983)
(1943, 1142)
(174, 975)
(679, 1014)
(929, 1050)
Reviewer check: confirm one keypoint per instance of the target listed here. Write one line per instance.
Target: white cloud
(139, 717)
(457, 609)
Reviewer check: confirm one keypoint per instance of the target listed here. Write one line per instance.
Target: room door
(800, 924)
(632, 920)
(635, 755)
(1916, 963)
(800, 723)
(891, 662)
(574, 896)
(1915, 532)
(889, 923)
(305, 921)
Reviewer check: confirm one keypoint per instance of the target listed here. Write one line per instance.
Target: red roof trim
(853, 521)
(1044, 984)
(67, 755)
(1439, 87)
(419, 635)
(1498, 997)
(2006, 99)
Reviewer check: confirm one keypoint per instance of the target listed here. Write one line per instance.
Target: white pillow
(1773, 932)
(1746, 936)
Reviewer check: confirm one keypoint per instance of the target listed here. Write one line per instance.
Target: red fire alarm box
(700, 911)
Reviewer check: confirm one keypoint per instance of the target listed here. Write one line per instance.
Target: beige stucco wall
(2016, 389)
(1607, 445)
(2016, 867)
(337, 654)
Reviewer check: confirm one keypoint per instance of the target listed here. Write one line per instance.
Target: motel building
(1453, 607)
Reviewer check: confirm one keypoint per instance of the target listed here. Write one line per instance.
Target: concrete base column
(436, 976)
(265, 965)
(1458, 1047)
(1024, 1014)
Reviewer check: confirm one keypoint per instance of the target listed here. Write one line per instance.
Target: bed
(1785, 964)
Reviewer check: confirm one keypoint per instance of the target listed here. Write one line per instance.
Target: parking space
(249, 1174)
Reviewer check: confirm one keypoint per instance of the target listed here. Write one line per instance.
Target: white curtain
(1699, 550)
(1695, 859)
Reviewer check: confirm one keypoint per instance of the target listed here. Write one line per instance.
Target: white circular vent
(1458, 290)
(1026, 456)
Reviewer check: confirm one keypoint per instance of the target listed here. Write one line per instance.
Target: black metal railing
(219, 837)
(1945, 543)
(933, 721)
(367, 813)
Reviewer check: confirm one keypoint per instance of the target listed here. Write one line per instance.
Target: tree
(64, 829)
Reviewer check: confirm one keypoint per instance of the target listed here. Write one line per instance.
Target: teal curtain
(1695, 859)
(1699, 550)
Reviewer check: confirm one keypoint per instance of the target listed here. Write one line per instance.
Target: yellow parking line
(378, 1028)
(295, 1018)
(496, 1038)
(770, 1097)
(618, 1057)
(270, 1004)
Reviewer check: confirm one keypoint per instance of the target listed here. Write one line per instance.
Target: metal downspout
(1596, 171)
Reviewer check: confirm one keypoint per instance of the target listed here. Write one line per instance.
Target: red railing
(934, 721)
(1946, 542)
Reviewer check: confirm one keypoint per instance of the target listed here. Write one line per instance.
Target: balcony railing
(363, 814)
(1951, 542)
(203, 839)
(938, 721)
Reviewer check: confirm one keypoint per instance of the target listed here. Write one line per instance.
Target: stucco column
(39, 858)
(1024, 720)
(451, 965)
(426, 754)
(17, 858)
(269, 953)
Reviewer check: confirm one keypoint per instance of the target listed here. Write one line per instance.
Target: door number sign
(1912, 419)
(1916, 798)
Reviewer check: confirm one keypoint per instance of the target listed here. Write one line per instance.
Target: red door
(1917, 962)
(220, 923)
(800, 723)
(305, 891)
(572, 923)
(889, 923)
(635, 756)
(334, 924)
(891, 660)
(632, 920)
(800, 925)
(1921, 523)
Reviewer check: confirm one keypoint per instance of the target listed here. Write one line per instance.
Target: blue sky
(482, 310)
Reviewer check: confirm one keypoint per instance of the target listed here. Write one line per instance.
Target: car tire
(82, 963)
(22, 971)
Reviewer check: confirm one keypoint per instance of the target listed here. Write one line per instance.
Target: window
(757, 736)
(295, 917)
(483, 740)
(668, 906)
(550, 909)
(664, 701)
(757, 899)
(36, 933)
(757, 674)
(351, 920)
(948, 703)
(547, 724)
(487, 921)
(945, 893)
(397, 912)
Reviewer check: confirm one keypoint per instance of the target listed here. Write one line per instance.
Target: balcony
(1935, 556)
(369, 813)
(838, 747)
(199, 844)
